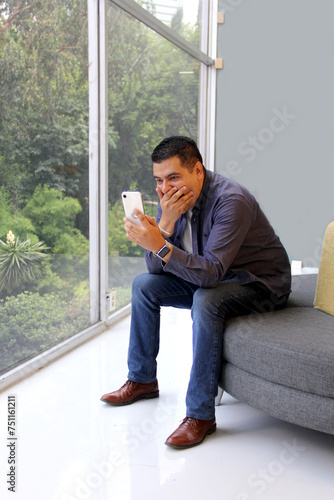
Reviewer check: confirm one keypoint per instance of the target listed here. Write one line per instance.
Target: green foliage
(31, 323)
(123, 296)
(44, 150)
(153, 93)
(53, 214)
(43, 95)
(72, 243)
(117, 240)
(48, 282)
(64, 275)
(14, 220)
(19, 260)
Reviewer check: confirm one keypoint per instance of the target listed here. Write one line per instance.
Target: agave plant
(19, 260)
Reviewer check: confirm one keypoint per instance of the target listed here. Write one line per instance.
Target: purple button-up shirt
(231, 237)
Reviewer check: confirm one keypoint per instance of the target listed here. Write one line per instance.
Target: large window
(44, 233)
(153, 93)
(182, 16)
(87, 89)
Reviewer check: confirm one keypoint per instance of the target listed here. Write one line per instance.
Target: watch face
(163, 252)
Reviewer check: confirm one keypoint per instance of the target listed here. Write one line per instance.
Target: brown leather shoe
(131, 392)
(191, 432)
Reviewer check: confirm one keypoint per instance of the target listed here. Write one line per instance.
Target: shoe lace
(128, 384)
(191, 421)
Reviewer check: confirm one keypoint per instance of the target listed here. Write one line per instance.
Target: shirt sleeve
(231, 220)
(153, 263)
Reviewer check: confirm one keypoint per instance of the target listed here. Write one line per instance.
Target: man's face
(170, 174)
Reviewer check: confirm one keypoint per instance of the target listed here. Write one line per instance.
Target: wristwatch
(164, 250)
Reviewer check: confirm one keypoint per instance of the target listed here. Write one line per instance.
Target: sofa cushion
(292, 347)
(299, 407)
(302, 290)
(324, 297)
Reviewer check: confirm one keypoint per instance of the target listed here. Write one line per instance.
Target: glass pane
(44, 281)
(183, 16)
(153, 94)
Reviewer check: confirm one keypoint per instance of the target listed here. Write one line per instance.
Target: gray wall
(275, 113)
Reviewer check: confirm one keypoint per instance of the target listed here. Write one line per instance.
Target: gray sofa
(283, 362)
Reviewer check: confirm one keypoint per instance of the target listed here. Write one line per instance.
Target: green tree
(153, 93)
(11, 219)
(44, 98)
(53, 216)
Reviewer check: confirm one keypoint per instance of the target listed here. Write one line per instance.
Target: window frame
(98, 156)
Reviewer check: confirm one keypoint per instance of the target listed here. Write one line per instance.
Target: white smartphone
(132, 200)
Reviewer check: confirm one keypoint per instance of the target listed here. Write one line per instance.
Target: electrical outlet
(112, 303)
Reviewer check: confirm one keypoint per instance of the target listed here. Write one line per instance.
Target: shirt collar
(203, 197)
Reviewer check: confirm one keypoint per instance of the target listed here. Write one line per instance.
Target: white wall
(275, 113)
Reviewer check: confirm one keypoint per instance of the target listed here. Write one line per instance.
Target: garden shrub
(32, 323)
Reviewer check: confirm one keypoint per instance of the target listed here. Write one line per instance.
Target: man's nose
(166, 186)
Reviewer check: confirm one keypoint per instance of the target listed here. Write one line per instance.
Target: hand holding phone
(132, 200)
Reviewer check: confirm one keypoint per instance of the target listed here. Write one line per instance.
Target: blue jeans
(210, 307)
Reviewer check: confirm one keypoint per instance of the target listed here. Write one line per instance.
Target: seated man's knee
(146, 284)
(204, 298)
(142, 281)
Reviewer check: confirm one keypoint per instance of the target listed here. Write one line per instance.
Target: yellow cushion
(324, 295)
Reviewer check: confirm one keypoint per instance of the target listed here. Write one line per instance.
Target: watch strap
(163, 250)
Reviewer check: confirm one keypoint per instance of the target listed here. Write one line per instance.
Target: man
(211, 250)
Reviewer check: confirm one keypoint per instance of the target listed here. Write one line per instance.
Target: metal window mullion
(203, 87)
(103, 180)
(94, 233)
(212, 84)
(134, 9)
(207, 95)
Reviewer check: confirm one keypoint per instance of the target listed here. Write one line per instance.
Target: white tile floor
(71, 446)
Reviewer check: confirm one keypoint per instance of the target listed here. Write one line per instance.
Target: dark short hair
(183, 147)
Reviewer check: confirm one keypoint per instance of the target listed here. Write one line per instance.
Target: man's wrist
(164, 250)
(164, 232)
(166, 227)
